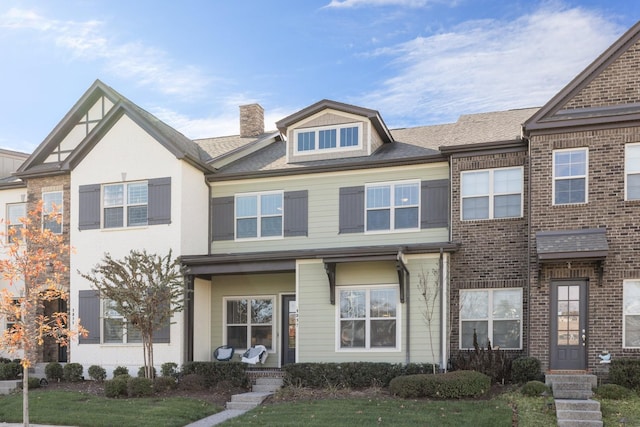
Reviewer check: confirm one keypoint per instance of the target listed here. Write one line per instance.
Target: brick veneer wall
(493, 253)
(35, 188)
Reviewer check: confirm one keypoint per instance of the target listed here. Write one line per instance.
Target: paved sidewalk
(216, 419)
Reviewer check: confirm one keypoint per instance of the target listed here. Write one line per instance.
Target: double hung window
(368, 318)
(492, 193)
(125, 205)
(249, 322)
(570, 176)
(52, 211)
(632, 171)
(15, 211)
(631, 313)
(393, 206)
(259, 215)
(115, 327)
(494, 315)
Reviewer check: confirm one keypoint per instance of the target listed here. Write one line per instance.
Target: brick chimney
(251, 120)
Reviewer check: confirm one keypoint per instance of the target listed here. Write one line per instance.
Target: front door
(289, 327)
(568, 325)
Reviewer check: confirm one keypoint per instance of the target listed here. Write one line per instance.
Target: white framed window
(15, 211)
(570, 176)
(492, 193)
(493, 314)
(52, 211)
(392, 206)
(631, 313)
(249, 321)
(125, 205)
(115, 328)
(632, 171)
(258, 215)
(320, 139)
(368, 318)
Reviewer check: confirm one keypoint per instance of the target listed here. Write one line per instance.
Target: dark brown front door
(289, 327)
(568, 325)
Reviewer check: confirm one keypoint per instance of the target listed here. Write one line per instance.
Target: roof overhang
(566, 245)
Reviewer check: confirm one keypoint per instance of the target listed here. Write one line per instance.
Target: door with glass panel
(568, 330)
(289, 328)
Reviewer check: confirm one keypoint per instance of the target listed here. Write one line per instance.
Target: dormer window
(321, 139)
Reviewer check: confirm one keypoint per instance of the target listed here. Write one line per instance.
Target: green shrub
(495, 363)
(614, 392)
(450, 385)
(165, 383)
(97, 373)
(73, 372)
(33, 383)
(4, 360)
(535, 388)
(192, 382)
(169, 369)
(625, 372)
(54, 371)
(120, 370)
(525, 369)
(214, 372)
(139, 387)
(10, 371)
(141, 372)
(117, 387)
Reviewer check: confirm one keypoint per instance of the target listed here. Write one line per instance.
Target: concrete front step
(571, 378)
(270, 385)
(572, 390)
(246, 401)
(577, 405)
(579, 423)
(579, 415)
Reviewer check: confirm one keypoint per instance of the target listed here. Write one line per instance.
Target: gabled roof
(372, 115)
(559, 113)
(178, 144)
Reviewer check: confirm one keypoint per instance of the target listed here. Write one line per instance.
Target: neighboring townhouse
(584, 234)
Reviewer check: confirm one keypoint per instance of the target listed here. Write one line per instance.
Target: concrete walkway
(216, 419)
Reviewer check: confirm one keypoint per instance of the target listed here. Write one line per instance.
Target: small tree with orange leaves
(34, 265)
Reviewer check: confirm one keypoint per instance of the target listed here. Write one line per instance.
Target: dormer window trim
(319, 139)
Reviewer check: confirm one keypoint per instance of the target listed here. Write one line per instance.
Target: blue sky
(192, 63)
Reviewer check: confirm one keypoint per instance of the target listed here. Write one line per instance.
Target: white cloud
(367, 3)
(135, 61)
(490, 65)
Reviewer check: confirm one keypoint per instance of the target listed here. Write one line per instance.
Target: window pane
(632, 331)
(113, 195)
(52, 201)
(53, 224)
(133, 334)
(352, 333)
(507, 181)
(261, 335)
(481, 328)
(475, 183)
(247, 228)
(633, 187)
(261, 311)
(246, 206)
(383, 303)
(631, 297)
(379, 219)
(236, 311)
(137, 215)
(15, 212)
(632, 158)
(474, 305)
(383, 333)
(507, 304)
(113, 330)
(475, 208)
(570, 163)
(113, 217)
(271, 204)
(137, 193)
(378, 197)
(306, 141)
(570, 191)
(349, 137)
(406, 194)
(352, 304)
(406, 218)
(506, 334)
(271, 226)
(506, 206)
(237, 336)
(327, 138)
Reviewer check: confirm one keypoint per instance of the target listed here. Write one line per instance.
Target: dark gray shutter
(222, 218)
(351, 210)
(162, 335)
(89, 314)
(435, 203)
(89, 207)
(159, 203)
(296, 213)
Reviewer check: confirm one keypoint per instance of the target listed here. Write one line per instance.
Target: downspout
(407, 298)
(443, 314)
(528, 276)
(209, 219)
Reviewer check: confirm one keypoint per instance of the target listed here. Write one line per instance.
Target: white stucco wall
(128, 153)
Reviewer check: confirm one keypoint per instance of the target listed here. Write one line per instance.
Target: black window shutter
(159, 202)
(435, 203)
(296, 213)
(351, 210)
(222, 218)
(89, 207)
(89, 314)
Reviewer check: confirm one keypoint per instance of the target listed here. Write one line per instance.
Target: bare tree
(429, 288)
(146, 289)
